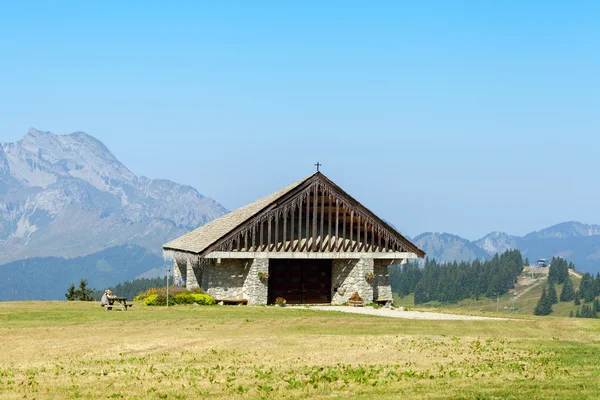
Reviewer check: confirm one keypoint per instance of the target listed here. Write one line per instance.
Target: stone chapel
(310, 243)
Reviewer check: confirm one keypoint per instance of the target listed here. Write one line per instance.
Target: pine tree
(571, 314)
(588, 311)
(578, 314)
(577, 298)
(420, 295)
(70, 295)
(563, 271)
(586, 288)
(543, 307)
(597, 305)
(83, 293)
(527, 261)
(568, 292)
(552, 297)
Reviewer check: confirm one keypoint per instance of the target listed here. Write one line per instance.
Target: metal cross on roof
(318, 164)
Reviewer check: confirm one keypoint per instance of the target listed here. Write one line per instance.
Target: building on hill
(310, 242)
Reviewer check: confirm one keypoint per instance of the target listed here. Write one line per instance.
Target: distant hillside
(526, 295)
(68, 196)
(47, 278)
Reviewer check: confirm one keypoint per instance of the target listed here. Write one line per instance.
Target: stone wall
(381, 284)
(225, 280)
(188, 271)
(235, 279)
(348, 276)
(179, 272)
(255, 290)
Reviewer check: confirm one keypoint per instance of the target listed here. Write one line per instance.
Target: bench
(120, 302)
(386, 301)
(232, 301)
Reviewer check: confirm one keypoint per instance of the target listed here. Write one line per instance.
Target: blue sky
(457, 116)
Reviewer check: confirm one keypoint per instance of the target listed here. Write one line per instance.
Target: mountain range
(69, 209)
(575, 241)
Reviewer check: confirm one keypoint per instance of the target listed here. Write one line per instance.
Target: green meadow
(58, 350)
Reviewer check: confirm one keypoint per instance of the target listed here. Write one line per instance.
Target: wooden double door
(300, 281)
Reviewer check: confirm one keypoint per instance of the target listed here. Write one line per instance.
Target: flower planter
(355, 303)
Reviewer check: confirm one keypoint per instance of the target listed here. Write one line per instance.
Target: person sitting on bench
(107, 299)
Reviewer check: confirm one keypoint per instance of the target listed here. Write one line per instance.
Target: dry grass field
(56, 350)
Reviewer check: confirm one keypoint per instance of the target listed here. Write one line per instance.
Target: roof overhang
(310, 255)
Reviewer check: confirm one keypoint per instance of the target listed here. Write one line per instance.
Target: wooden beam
(337, 223)
(367, 237)
(329, 238)
(284, 244)
(299, 223)
(292, 227)
(269, 234)
(358, 242)
(351, 230)
(322, 222)
(315, 219)
(261, 236)
(307, 222)
(276, 246)
(343, 230)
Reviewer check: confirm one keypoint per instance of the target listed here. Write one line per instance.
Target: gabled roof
(200, 239)
(207, 237)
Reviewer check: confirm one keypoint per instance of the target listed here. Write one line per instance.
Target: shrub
(173, 292)
(184, 298)
(151, 300)
(203, 299)
(158, 297)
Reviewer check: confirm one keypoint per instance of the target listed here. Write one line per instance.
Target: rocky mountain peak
(68, 195)
(497, 242)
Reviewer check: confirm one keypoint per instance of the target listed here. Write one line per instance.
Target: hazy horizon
(464, 118)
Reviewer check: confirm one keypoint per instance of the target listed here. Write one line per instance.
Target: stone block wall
(348, 276)
(234, 279)
(179, 271)
(225, 280)
(255, 290)
(189, 271)
(381, 284)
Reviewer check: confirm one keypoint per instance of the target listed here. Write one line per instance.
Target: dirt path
(386, 312)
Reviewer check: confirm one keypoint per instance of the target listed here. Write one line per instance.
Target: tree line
(128, 289)
(453, 282)
(589, 291)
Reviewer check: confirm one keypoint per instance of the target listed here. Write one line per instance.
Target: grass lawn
(55, 350)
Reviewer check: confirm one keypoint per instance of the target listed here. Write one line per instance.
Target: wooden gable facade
(315, 217)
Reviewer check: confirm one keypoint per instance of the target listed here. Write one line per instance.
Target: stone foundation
(235, 279)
